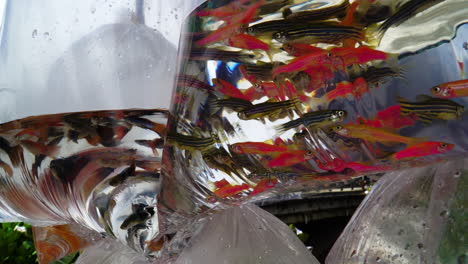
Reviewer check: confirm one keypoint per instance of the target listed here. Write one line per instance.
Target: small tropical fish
(190, 142)
(160, 129)
(359, 167)
(6, 168)
(123, 175)
(40, 149)
(406, 11)
(220, 12)
(331, 33)
(315, 119)
(254, 93)
(349, 17)
(220, 34)
(317, 14)
(303, 62)
(256, 148)
(227, 89)
(137, 218)
(273, 6)
(235, 104)
(428, 108)
(261, 71)
(230, 190)
(246, 16)
(268, 109)
(264, 185)
(268, 27)
(372, 134)
(220, 159)
(191, 81)
(423, 149)
(244, 41)
(221, 183)
(377, 75)
(290, 158)
(13, 152)
(204, 54)
(152, 144)
(360, 55)
(298, 49)
(451, 89)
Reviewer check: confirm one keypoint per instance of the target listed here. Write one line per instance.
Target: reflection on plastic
(110, 251)
(247, 235)
(411, 216)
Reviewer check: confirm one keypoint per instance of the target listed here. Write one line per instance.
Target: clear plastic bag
(109, 251)
(244, 235)
(411, 216)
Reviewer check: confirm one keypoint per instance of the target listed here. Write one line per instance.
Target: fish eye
(250, 30)
(443, 145)
(436, 89)
(309, 153)
(278, 35)
(341, 113)
(339, 127)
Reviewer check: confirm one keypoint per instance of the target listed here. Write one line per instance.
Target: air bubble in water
(34, 33)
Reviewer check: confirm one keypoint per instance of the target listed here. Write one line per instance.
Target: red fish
(220, 12)
(451, 89)
(251, 78)
(221, 183)
(423, 149)
(349, 18)
(256, 148)
(230, 190)
(334, 165)
(221, 34)
(254, 93)
(358, 167)
(244, 41)
(299, 49)
(228, 89)
(390, 118)
(246, 16)
(263, 185)
(290, 158)
(302, 63)
(342, 89)
(360, 55)
(40, 149)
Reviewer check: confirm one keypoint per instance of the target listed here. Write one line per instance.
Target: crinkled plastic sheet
(411, 216)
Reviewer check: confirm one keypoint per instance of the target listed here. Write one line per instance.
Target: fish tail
(373, 36)
(16, 155)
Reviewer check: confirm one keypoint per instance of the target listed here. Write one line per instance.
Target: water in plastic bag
(244, 235)
(282, 95)
(411, 216)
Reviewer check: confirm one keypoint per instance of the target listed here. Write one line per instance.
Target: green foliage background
(17, 247)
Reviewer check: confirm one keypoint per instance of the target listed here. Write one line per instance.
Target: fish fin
(423, 97)
(373, 36)
(426, 119)
(16, 155)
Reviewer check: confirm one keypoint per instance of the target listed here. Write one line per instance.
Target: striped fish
(321, 32)
(267, 109)
(190, 142)
(406, 11)
(232, 103)
(315, 119)
(428, 108)
(273, 6)
(191, 81)
(317, 14)
(271, 26)
(261, 71)
(204, 54)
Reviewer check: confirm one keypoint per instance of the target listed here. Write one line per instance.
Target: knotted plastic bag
(411, 216)
(244, 235)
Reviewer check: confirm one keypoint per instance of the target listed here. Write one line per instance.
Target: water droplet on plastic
(34, 33)
(457, 174)
(150, 65)
(46, 34)
(378, 259)
(93, 10)
(148, 76)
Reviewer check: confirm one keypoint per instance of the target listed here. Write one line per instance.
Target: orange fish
(303, 62)
(221, 34)
(227, 89)
(451, 89)
(423, 149)
(349, 18)
(230, 190)
(223, 11)
(360, 55)
(40, 149)
(256, 148)
(290, 158)
(264, 185)
(372, 134)
(244, 41)
(299, 49)
(390, 117)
